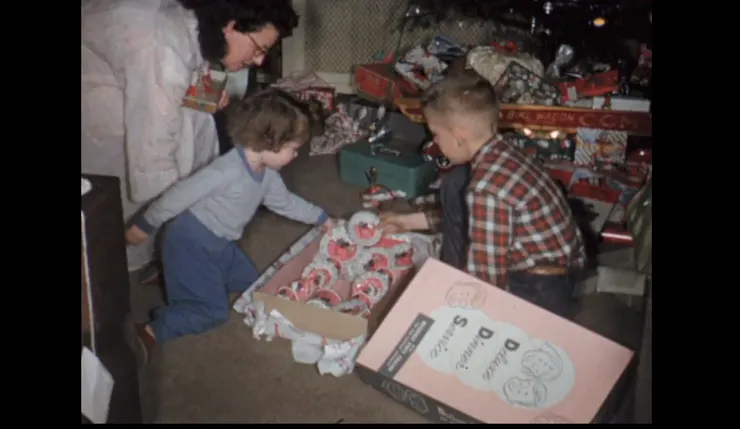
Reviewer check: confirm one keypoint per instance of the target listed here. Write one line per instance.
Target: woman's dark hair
(249, 16)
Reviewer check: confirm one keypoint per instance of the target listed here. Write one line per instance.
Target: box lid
(491, 355)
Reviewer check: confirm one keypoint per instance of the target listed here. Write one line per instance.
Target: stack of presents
(425, 334)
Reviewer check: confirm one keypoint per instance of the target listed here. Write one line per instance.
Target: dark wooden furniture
(109, 286)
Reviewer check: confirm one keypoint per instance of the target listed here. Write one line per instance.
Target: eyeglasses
(259, 48)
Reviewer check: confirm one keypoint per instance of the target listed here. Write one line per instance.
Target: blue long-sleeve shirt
(225, 195)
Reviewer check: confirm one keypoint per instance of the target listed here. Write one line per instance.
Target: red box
(380, 83)
(615, 233)
(592, 86)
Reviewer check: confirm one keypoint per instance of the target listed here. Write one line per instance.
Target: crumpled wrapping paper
(340, 130)
(420, 67)
(330, 356)
(492, 65)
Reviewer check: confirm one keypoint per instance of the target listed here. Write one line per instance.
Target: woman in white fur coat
(138, 57)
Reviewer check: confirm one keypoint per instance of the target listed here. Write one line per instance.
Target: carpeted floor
(226, 376)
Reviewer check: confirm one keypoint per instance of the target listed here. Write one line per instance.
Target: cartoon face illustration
(526, 393)
(607, 149)
(466, 295)
(542, 364)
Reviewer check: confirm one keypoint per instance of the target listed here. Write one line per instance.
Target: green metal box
(407, 172)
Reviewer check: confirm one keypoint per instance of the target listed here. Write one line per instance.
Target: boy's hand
(393, 223)
(135, 235)
(224, 100)
(328, 225)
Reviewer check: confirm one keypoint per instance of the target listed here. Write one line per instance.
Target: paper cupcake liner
(316, 302)
(355, 307)
(358, 266)
(363, 230)
(371, 286)
(379, 259)
(330, 297)
(321, 273)
(298, 290)
(338, 246)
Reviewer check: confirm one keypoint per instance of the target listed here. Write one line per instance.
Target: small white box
(616, 280)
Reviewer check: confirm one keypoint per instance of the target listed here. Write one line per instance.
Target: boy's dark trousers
(551, 290)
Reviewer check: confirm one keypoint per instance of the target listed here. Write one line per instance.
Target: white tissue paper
(330, 356)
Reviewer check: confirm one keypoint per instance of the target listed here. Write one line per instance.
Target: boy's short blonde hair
(267, 120)
(463, 93)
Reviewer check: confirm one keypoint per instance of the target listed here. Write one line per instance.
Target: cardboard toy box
(305, 317)
(457, 350)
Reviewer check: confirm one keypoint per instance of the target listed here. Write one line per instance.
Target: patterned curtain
(342, 33)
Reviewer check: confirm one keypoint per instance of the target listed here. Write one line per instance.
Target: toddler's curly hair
(268, 120)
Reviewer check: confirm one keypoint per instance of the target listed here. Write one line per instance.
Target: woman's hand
(135, 235)
(224, 100)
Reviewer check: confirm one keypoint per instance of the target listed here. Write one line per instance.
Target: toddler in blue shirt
(201, 260)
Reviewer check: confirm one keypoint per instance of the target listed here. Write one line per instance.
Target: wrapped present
(307, 86)
(380, 83)
(597, 145)
(508, 46)
(606, 176)
(519, 85)
(325, 96)
(492, 65)
(591, 86)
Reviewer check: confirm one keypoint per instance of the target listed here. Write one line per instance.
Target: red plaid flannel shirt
(519, 218)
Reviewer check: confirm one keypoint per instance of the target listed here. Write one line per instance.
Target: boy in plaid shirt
(503, 219)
